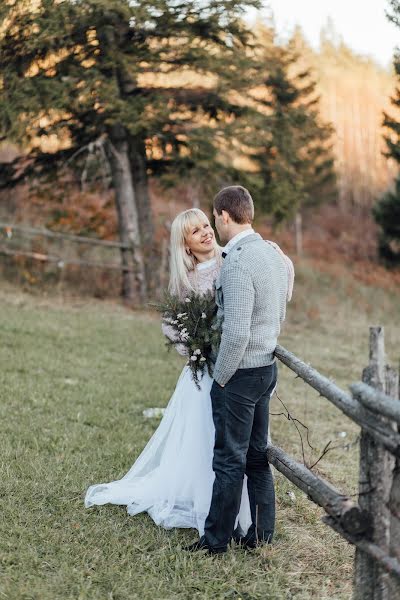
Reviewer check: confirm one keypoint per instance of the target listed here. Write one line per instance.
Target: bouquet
(195, 325)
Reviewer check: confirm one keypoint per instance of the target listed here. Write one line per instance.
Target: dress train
(172, 479)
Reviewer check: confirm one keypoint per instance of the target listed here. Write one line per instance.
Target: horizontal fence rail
(388, 563)
(343, 515)
(61, 262)
(376, 401)
(79, 239)
(337, 505)
(381, 432)
(372, 524)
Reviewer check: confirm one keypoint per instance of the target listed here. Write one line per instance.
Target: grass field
(74, 380)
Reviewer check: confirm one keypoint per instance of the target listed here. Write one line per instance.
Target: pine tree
(146, 83)
(387, 210)
(294, 151)
(387, 215)
(393, 124)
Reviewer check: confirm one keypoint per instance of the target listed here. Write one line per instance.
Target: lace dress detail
(204, 276)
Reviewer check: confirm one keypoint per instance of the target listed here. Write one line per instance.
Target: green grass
(74, 381)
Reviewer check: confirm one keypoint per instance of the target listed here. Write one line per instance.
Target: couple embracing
(206, 465)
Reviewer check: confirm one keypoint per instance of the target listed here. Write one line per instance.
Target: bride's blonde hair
(182, 263)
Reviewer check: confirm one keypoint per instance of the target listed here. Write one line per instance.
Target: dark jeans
(241, 414)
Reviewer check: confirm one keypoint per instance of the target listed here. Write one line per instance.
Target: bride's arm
(171, 334)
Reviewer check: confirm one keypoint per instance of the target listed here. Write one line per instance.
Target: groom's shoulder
(244, 251)
(250, 249)
(256, 256)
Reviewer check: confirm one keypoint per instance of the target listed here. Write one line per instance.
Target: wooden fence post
(376, 529)
(375, 481)
(392, 389)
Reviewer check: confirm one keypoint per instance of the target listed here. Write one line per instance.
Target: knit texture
(251, 294)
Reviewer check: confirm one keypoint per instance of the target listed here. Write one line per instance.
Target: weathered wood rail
(30, 232)
(130, 255)
(371, 524)
(61, 262)
(79, 239)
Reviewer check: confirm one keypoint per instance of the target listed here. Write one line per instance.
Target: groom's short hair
(237, 202)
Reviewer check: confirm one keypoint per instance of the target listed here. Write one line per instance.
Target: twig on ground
(289, 417)
(327, 447)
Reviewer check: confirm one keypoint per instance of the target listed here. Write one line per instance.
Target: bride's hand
(182, 349)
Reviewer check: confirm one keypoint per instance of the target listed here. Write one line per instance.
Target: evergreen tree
(387, 210)
(147, 83)
(392, 123)
(387, 215)
(294, 153)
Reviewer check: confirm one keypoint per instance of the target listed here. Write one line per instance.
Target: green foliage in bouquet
(195, 325)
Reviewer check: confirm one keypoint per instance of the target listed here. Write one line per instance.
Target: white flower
(180, 325)
(153, 412)
(180, 315)
(203, 316)
(202, 359)
(187, 300)
(193, 358)
(198, 351)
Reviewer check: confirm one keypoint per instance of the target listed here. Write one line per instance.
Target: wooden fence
(127, 263)
(9, 228)
(372, 523)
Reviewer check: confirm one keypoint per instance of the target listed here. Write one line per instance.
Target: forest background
(206, 100)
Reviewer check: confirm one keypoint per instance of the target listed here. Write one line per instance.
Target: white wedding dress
(172, 479)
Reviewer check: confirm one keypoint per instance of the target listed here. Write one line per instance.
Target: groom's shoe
(250, 541)
(201, 544)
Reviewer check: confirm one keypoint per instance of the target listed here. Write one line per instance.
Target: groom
(251, 293)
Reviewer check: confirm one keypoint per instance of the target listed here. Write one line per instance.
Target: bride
(172, 479)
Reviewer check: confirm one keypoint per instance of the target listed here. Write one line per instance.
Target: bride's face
(200, 238)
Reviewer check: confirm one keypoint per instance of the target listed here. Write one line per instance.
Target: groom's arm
(238, 293)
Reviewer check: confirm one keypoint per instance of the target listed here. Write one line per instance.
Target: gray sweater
(251, 292)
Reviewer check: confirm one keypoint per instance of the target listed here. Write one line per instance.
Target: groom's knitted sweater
(251, 292)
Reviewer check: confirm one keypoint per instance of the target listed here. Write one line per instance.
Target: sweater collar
(243, 240)
(237, 238)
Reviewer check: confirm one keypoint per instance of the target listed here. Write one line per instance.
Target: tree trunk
(137, 158)
(133, 273)
(298, 224)
(126, 177)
